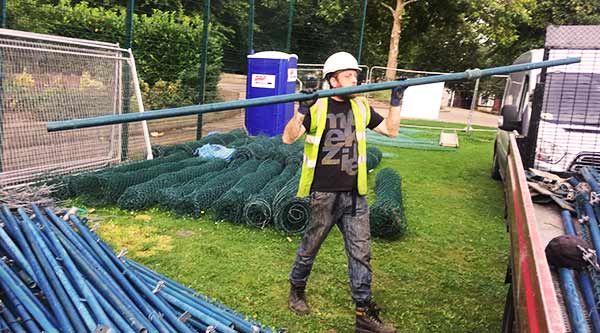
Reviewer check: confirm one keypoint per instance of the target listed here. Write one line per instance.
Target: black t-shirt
(337, 162)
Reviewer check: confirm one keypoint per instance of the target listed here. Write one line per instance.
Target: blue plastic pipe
(101, 278)
(148, 311)
(105, 284)
(40, 277)
(230, 105)
(65, 295)
(10, 286)
(21, 308)
(583, 279)
(12, 322)
(77, 277)
(8, 245)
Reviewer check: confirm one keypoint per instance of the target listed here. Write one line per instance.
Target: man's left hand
(397, 94)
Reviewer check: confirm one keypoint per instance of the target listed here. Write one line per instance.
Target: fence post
(288, 43)
(3, 4)
(469, 128)
(362, 30)
(203, 59)
(251, 27)
(127, 80)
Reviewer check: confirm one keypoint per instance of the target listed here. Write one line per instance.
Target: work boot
(297, 301)
(368, 321)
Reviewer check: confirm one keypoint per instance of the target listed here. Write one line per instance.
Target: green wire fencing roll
(374, 156)
(88, 183)
(230, 205)
(258, 210)
(261, 148)
(112, 185)
(144, 195)
(405, 141)
(189, 147)
(172, 196)
(291, 214)
(201, 200)
(387, 216)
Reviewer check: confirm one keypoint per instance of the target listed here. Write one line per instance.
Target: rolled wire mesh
(405, 141)
(146, 194)
(230, 205)
(90, 181)
(201, 200)
(112, 185)
(291, 214)
(170, 197)
(261, 148)
(374, 156)
(258, 208)
(387, 216)
(189, 147)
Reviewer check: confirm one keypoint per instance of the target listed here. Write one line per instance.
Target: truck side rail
(536, 304)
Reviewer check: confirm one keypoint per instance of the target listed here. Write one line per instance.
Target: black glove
(304, 106)
(397, 94)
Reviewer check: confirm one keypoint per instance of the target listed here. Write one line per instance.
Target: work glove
(304, 106)
(397, 94)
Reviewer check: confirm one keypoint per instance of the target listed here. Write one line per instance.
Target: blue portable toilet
(270, 73)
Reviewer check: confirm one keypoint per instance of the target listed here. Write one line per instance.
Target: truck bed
(536, 295)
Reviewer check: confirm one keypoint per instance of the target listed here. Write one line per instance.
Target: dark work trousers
(327, 209)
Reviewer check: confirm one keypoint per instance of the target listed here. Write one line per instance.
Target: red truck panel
(536, 304)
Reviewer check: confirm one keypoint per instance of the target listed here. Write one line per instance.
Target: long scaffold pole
(222, 106)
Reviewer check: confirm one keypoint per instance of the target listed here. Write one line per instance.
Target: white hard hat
(339, 61)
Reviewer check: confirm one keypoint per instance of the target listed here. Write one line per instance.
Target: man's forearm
(392, 121)
(293, 129)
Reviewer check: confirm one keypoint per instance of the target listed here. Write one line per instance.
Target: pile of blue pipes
(57, 275)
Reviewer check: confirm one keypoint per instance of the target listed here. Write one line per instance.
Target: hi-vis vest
(318, 119)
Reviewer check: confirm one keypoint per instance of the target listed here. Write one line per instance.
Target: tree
(397, 14)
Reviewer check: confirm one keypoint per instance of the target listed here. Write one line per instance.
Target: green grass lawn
(445, 275)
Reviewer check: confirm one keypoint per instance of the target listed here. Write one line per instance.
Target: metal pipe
(126, 77)
(474, 101)
(10, 320)
(288, 41)
(67, 296)
(206, 108)
(140, 286)
(10, 282)
(9, 246)
(362, 30)
(22, 309)
(117, 320)
(222, 314)
(113, 271)
(196, 313)
(583, 278)
(71, 268)
(39, 275)
(203, 61)
(3, 13)
(99, 276)
(251, 27)
(108, 292)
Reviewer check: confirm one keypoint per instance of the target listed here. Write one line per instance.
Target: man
(334, 175)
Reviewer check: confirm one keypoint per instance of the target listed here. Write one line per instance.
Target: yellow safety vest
(318, 116)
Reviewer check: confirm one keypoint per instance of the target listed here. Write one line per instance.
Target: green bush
(167, 45)
(164, 94)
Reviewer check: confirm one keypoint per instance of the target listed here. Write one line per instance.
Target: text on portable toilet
(263, 81)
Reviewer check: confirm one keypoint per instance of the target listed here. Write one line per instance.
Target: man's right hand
(304, 106)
